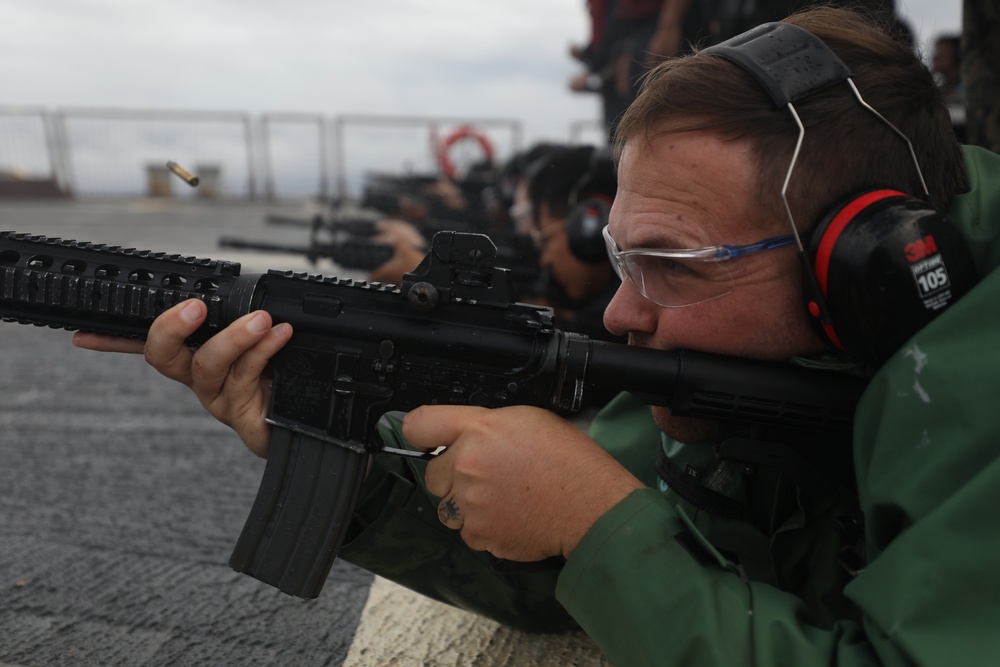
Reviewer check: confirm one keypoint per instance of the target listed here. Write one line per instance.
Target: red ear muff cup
(887, 264)
(584, 226)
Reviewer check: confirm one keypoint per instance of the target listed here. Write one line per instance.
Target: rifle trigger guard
(408, 453)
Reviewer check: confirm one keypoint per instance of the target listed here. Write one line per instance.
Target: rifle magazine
(301, 513)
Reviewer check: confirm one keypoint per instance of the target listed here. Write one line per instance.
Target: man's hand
(409, 249)
(225, 373)
(519, 482)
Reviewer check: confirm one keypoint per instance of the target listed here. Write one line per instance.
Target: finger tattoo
(448, 511)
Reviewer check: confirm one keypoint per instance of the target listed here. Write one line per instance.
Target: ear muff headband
(789, 62)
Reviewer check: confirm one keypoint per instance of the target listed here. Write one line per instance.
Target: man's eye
(678, 267)
(672, 269)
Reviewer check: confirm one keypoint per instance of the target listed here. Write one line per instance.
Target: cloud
(442, 57)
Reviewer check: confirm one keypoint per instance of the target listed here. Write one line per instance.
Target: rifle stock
(449, 334)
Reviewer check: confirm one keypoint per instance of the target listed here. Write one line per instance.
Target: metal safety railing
(93, 152)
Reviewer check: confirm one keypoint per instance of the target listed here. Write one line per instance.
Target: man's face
(688, 191)
(580, 280)
(520, 211)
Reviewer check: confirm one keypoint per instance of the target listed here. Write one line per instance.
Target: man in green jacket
(901, 570)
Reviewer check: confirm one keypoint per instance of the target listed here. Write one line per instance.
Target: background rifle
(360, 225)
(346, 241)
(349, 253)
(449, 334)
(353, 225)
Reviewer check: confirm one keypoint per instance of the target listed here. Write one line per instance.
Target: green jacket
(656, 582)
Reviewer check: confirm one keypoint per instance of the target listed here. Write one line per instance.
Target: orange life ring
(463, 133)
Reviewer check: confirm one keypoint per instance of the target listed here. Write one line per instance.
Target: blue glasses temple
(730, 251)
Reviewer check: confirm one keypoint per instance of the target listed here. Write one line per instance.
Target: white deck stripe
(401, 628)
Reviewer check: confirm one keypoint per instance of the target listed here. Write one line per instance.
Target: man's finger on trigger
(431, 426)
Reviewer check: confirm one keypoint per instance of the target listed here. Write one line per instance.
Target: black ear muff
(886, 264)
(584, 226)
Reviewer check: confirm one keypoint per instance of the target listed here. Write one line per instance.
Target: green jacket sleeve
(681, 602)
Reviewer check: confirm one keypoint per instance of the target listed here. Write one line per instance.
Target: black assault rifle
(353, 225)
(368, 226)
(449, 334)
(348, 253)
(347, 243)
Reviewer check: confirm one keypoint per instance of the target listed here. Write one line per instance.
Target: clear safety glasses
(678, 278)
(540, 237)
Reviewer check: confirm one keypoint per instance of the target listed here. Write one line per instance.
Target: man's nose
(629, 311)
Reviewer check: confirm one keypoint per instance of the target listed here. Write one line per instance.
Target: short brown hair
(846, 148)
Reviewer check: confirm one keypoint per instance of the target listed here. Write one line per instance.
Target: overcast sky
(465, 58)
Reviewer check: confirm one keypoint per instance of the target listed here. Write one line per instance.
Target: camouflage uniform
(981, 71)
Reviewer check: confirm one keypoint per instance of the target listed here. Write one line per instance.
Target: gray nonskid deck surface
(121, 499)
(121, 503)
